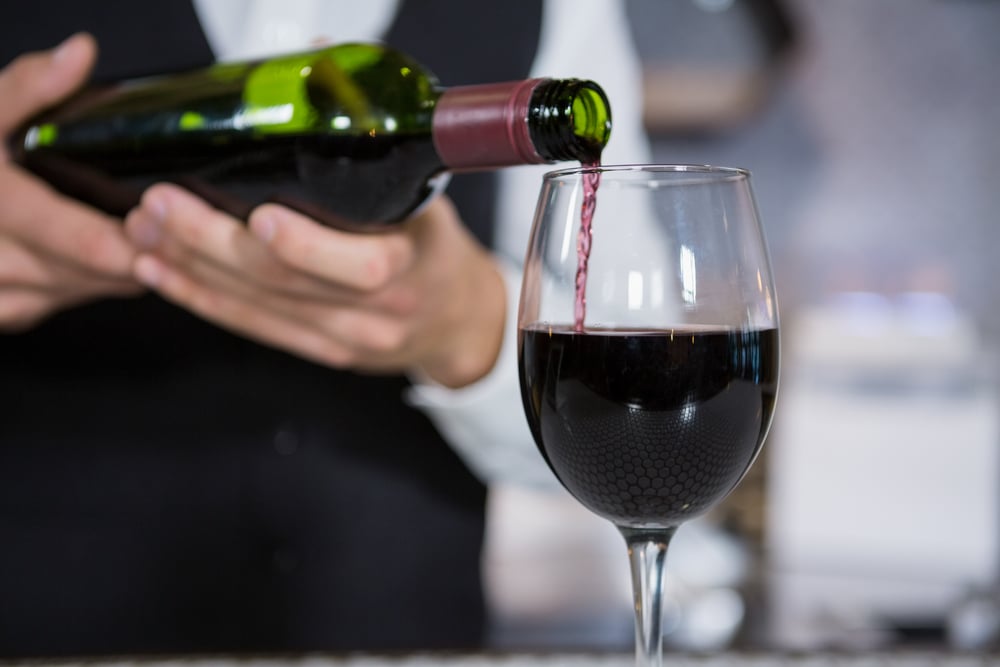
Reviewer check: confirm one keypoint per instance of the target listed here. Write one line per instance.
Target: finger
(20, 267)
(338, 337)
(62, 228)
(35, 81)
(360, 261)
(25, 270)
(213, 245)
(244, 317)
(22, 308)
(369, 323)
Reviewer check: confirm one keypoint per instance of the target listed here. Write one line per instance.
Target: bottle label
(485, 126)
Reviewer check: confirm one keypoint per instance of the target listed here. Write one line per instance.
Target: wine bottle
(355, 135)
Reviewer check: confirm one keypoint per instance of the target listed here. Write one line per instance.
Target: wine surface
(648, 428)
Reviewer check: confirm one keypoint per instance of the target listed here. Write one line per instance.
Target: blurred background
(872, 518)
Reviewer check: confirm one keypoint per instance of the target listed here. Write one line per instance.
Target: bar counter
(909, 658)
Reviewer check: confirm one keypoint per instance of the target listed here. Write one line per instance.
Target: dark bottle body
(352, 135)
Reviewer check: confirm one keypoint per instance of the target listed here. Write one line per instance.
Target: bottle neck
(569, 119)
(520, 122)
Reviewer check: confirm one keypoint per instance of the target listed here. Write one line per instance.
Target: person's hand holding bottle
(420, 297)
(423, 297)
(54, 251)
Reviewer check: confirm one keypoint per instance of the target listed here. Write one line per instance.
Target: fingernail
(65, 50)
(145, 224)
(148, 271)
(155, 207)
(143, 230)
(263, 227)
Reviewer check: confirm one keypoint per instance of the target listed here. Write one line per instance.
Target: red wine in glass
(649, 427)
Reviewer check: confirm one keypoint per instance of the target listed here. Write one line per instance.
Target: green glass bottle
(356, 135)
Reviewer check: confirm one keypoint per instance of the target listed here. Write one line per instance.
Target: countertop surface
(914, 658)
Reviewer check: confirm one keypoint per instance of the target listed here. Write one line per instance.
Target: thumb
(35, 81)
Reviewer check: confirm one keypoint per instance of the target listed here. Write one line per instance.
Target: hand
(423, 297)
(54, 252)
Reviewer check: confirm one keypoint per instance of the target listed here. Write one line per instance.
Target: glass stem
(647, 552)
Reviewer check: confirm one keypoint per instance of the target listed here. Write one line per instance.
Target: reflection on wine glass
(648, 350)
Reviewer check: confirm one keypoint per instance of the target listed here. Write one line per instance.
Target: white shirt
(484, 422)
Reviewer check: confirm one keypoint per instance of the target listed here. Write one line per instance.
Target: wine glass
(648, 350)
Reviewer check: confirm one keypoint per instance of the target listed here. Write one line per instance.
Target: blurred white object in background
(555, 574)
(556, 577)
(883, 469)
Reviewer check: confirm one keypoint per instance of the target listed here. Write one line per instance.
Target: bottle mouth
(585, 106)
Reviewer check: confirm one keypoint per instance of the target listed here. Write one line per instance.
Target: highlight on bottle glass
(648, 350)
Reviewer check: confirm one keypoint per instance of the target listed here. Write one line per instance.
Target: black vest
(168, 487)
